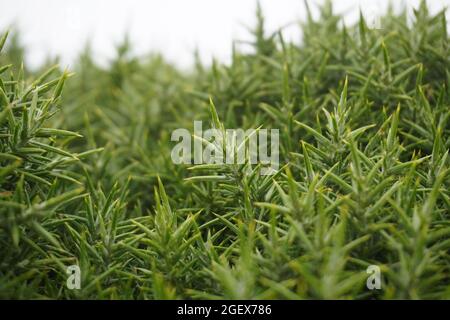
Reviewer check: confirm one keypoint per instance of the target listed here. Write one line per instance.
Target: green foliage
(86, 176)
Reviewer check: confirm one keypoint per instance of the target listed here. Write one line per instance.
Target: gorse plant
(36, 176)
(86, 176)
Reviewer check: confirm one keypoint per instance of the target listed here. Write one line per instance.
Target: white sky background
(172, 27)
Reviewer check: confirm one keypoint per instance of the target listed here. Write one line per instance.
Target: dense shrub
(86, 177)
